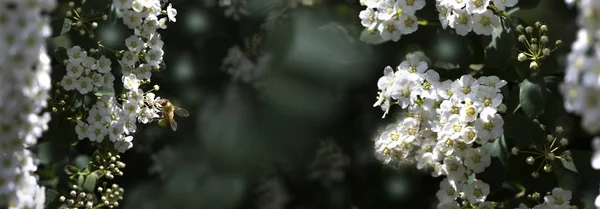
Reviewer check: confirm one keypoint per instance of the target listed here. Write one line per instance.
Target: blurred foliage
(319, 82)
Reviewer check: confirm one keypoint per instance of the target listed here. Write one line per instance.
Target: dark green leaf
(90, 182)
(81, 161)
(523, 131)
(61, 26)
(498, 149)
(532, 96)
(80, 180)
(51, 195)
(566, 179)
(70, 169)
(567, 161)
(499, 46)
(371, 37)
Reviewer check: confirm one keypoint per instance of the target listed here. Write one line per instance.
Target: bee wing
(181, 112)
(173, 125)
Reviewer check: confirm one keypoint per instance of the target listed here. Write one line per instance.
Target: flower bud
(544, 28)
(533, 65)
(156, 87)
(534, 47)
(564, 142)
(546, 52)
(521, 57)
(522, 38)
(529, 29)
(62, 199)
(548, 168)
(515, 151)
(544, 39)
(105, 17)
(73, 193)
(502, 108)
(82, 32)
(94, 24)
(530, 160)
(558, 42)
(559, 129)
(551, 156)
(535, 196)
(520, 28)
(549, 137)
(535, 175)
(538, 24)
(69, 14)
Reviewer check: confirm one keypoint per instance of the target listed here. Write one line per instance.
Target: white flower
(465, 87)
(134, 43)
(477, 191)
(68, 82)
(115, 131)
(97, 132)
(387, 10)
(461, 21)
(122, 4)
(449, 205)
(81, 129)
(390, 30)
(559, 197)
(103, 64)
(453, 168)
(124, 144)
(367, 17)
(171, 13)
(74, 69)
(155, 41)
(154, 57)
(76, 54)
(484, 23)
(132, 19)
(130, 82)
(411, 6)
(84, 85)
(502, 4)
(477, 159)
(492, 82)
(447, 192)
(88, 63)
(408, 23)
(477, 6)
(415, 67)
(489, 125)
(444, 14)
(129, 58)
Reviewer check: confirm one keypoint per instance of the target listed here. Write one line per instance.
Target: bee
(168, 113)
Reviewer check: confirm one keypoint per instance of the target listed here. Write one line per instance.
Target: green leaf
(371, 37)
(81, 161)
(499, 46)
(582, 160)
(51, 195)
(80, 180)
(90, 182)
(566, 178)
(61, 26)
(104, 90)
(567, 161)
(523, 131)
(532, 96)
(498, 149)
(70, 169)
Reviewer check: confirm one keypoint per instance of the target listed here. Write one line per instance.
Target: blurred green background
(297, 135)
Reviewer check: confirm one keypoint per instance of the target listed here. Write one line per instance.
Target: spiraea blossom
(24, 88)
(394, 18)
(442, 127)
(114, 118)
(581, 85)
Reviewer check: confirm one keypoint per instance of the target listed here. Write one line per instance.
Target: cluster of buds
(78, 199)
(110, 165)
(536, 43)
(546, 153)
(84, 23)
(110, 196)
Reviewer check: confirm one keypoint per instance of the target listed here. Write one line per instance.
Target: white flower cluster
(234, 8)
(581, 87)
(471, 15)
(86, 73)
(557, 199)
(24, 88)
(109, 118)
(444, 126)
(392, 18)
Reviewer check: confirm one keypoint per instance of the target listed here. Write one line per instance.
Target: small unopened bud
(529, 29)
(89, 205)
(534, 47)
(533, 65)
(544, 39)
(548, 168)
(70, 202)
(520, 28)
(521, 57)
(81, 194)
(538, 24)
(551, 156)
(156, 87)
(558, 42)
(546, 52)
(559, 129)
(71, 4)
(69, 14)
(502, 108)
(544, 28)
(73, 193)
(91, 36)
(82, 32)
(535, 196)
(564, 141)
(530, 160)
(105, 17)
(535, 174)
(514, 151)
(549, 137)
(94, 24)
(522, 38)
(78, 9)
(62, 199)
(534, 40)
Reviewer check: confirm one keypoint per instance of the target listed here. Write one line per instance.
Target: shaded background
(298, 133)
